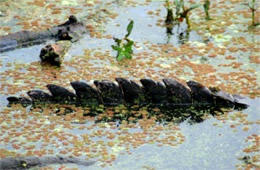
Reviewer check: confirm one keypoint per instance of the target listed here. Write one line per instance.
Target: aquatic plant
(181, 12)
(124, 46)
(206, 7)
(169, 18)
(178, 4)
(253, 7)
(186, 11)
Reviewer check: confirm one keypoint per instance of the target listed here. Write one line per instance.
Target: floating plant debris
(222, 52)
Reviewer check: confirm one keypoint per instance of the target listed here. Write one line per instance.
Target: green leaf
(206, 5)
(130, 42)
(193, 6)
(251, 4)
(129, 28)
(117, 40)
(178, 4)
(120, 56)
(124, 46)
(127, 55)
(129, 50)
(128, 47)
(116, 48)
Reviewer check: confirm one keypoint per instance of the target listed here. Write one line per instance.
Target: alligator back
(167, 93)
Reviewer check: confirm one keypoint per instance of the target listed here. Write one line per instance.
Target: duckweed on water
(220, 52)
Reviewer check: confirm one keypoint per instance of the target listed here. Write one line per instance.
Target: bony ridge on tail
(168, 92)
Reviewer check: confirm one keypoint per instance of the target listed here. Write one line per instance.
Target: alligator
(168, 93)
(70, 30)
(12, 163)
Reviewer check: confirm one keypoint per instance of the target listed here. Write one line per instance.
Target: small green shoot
(253, 7)
(178, 4)
(206, 7)
(186, 11)
(124, 46)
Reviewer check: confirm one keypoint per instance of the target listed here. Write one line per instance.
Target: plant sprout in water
(253, 7)
(181, 12)
(206, 7)
(169, 18)
(186, 11)
(124, 46)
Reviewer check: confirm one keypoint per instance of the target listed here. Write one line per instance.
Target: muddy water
(221, 52)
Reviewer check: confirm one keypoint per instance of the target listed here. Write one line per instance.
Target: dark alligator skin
(17, 163)
(66, 31)
(169, 92)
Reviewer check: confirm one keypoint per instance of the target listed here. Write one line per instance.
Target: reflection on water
(198, 137)
(141, 137)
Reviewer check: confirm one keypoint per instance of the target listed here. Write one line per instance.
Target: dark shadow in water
(164, 115)
(119, 113)
(184, 37)
(175, 29)
(179, 32)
